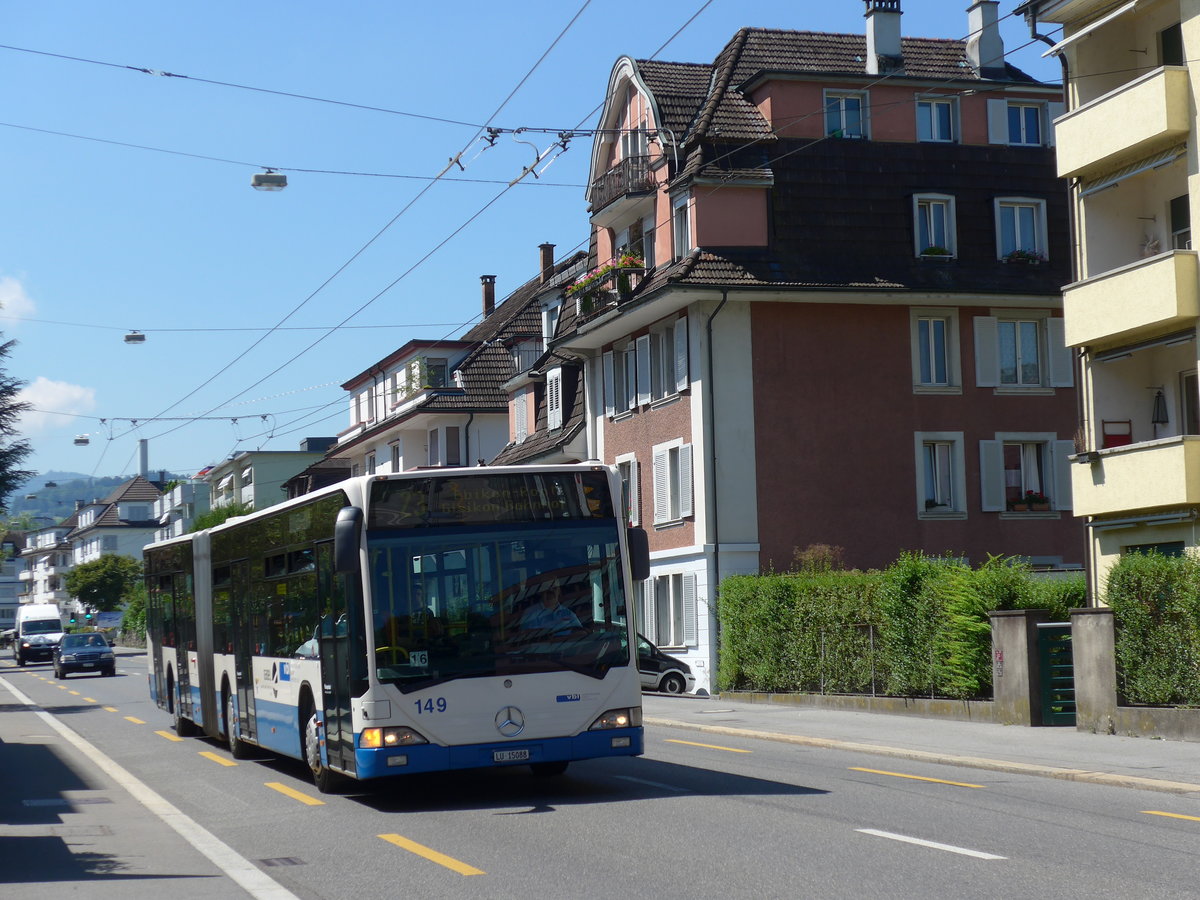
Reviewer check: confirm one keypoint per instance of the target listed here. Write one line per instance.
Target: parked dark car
(84, 653)
(661, 672)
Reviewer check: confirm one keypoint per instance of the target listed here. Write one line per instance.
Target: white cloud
(13, 299)
(55, 404)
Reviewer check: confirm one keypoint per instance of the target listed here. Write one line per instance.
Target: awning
(1179, 337)
(225, 482)
(1134, 521)
(1089, 28)
(1142, 165)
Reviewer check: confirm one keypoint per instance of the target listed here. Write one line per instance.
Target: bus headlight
(619, 718)
(374, 738)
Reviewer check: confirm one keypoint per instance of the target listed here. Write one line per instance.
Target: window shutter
(987, 356)
(662, 486)
(1060, 357)
(689, 610)
(997, 115)
(643, 370)
(650, 615)
(1062, 451)
(682, 380)
(686, 507)
(631, 378)
(520, 418)
(610, 406)
(634, 493)
(554, 417)
(1053, 111)
(991, 475)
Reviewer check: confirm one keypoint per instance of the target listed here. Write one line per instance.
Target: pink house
(823, 308)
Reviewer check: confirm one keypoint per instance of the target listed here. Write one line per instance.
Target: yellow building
(1127, 147)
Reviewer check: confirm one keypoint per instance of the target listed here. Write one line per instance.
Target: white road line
(949, 848)
(654, 784)
(255, 882)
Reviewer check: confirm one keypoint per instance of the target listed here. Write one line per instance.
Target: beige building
(1127, 146)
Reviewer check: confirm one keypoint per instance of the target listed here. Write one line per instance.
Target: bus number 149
(430, 705)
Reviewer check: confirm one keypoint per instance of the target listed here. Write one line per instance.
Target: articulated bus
(415, 622)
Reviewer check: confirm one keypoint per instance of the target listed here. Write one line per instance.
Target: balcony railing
(1142, 299)
(1151, 475)
(1152, 110)
(607, 292)
(630, 176)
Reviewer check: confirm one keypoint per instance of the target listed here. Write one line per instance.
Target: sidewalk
(1142, 763)
(73, 822)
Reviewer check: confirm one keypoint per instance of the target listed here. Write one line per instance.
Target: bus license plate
(510, 755)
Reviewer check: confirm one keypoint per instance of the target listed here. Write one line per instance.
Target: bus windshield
(496, 600)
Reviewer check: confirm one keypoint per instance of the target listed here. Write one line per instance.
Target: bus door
(243, 643)
(185, 640)
(335, 646)
(160, 589)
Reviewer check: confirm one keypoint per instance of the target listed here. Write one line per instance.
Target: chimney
(985, 47)
(546, 258)
(883, 36)
(489, 294)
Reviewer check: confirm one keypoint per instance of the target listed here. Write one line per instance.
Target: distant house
(258, 478)
(822, 307)
(445, 402)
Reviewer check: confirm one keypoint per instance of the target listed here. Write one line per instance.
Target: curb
(972, 762)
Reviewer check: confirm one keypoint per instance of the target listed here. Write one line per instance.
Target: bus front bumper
(433, 758)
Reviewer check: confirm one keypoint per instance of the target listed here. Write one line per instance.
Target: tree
(105, 582)
(13, 452)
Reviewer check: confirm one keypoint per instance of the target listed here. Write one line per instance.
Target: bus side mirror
(346, 532)
(639, 553)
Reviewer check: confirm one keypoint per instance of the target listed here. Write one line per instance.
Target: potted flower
(1028, 257)
(1034, 501)
(935, 252)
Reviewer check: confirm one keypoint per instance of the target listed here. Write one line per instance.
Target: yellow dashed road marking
(295, 794)
(133, 720)
(208, 754)
(1155, 812)
(709, 746)
(915, 777)
(432, 855)
(169, 736)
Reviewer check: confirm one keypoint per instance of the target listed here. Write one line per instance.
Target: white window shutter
(610, 406)
(997, 116)
(1062, 451)
(554, 418)
(631, 378)
(634, 491)
(650, 615)
(1053, 111)
(1061, 359)
(686, 506)
(991, 476)
(987, 356)
(520, 417)
(643, 370)
(682, 379)
(689, 610)
(662, 487)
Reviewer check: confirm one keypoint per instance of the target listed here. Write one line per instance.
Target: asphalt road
(697, 816)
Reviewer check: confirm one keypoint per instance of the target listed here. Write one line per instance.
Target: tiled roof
(541, 440)
(132, 491)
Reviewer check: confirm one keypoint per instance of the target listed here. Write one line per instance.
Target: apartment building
(822, 307)
(1126, 145)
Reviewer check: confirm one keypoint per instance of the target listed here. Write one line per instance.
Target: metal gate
(1056, 666)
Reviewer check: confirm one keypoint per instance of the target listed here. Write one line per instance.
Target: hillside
(49, 498)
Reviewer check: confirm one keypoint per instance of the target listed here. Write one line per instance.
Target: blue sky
(100, 236)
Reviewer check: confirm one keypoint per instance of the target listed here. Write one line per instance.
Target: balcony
(1151, 475)
(1150, 297)
(621, 188)
(1152, 110)
(606, 288)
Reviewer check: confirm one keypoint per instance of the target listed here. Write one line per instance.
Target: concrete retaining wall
(958, 710)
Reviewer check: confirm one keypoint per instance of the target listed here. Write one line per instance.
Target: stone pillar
(1093, 640)
(1015, 677)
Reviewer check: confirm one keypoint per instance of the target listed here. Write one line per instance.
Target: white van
(39, 629)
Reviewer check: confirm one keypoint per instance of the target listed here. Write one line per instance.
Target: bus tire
(325, 780)
(549, 769)
(238, 748)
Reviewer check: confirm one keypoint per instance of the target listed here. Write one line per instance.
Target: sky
(129, 133)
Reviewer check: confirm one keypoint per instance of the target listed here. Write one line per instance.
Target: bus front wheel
(325, 780)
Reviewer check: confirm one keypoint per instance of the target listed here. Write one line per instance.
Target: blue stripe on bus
(432, 758)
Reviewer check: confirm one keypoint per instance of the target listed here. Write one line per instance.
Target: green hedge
(1156, 612)
(919, 628)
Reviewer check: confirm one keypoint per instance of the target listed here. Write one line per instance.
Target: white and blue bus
(416, 622)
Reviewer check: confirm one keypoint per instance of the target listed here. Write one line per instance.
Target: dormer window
(525, 353)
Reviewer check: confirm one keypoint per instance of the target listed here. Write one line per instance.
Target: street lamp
(269, 180)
